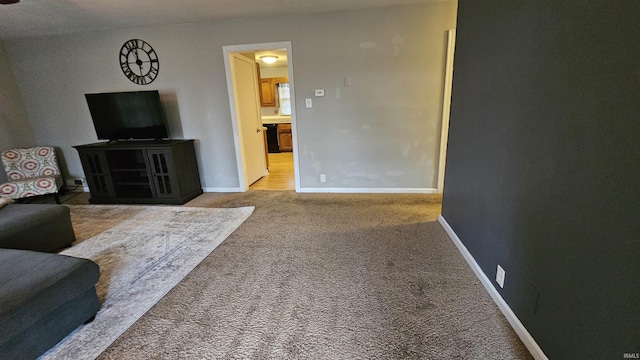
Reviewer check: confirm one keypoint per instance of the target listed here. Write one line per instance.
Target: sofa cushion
(32, 186)
(37, 227)
(34, 284)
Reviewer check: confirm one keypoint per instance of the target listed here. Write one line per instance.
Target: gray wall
(543, 166)
(381, 132)
(15, 130)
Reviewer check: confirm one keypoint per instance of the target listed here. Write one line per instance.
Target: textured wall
(542, 168)
(381, 132)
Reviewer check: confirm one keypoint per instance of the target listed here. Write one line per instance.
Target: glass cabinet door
(165, 185)
(97, 173)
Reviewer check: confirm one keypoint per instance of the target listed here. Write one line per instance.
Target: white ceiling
(47, 17)
(280, 54)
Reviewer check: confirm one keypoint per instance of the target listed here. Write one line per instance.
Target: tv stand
(141, 172)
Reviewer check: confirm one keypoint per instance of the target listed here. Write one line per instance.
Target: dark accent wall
(543, 165)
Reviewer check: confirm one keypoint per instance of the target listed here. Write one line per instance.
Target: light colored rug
(143, 252)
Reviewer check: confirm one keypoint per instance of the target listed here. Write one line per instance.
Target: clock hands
(140, 64)
(141, 54)
(138, 61)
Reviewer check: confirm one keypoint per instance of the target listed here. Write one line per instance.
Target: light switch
(347, 81)
(308, 103)
(319, 92)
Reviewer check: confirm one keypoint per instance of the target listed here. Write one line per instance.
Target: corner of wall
(515, 323)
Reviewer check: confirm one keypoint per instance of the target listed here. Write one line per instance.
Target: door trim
(227, 50)
(446, 107)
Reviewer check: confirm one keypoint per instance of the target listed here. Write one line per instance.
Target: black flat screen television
(127, 115)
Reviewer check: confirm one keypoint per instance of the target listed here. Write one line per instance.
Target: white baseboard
(519, 328)
(86, 189)
(310, 190)
(210, 189)
(370, 190)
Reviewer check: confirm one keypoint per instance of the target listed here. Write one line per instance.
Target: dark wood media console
(141, 172)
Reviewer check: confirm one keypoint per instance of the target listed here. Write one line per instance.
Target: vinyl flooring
(281, 176)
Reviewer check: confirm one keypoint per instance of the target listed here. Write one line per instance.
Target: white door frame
(227, 50)
(446, 107)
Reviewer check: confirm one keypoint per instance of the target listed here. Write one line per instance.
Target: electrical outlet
(77, 182)
(308, 103)
(500, 274)
(323, 178)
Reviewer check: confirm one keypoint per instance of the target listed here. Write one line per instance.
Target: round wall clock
(139, 62)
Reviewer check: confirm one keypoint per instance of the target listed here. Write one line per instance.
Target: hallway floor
(281, 176)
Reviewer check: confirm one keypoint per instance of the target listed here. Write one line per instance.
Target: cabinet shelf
(158, 172)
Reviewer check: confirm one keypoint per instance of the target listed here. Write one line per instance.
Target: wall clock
(139, 62)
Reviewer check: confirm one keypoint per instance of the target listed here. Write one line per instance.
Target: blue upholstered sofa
(43, 296)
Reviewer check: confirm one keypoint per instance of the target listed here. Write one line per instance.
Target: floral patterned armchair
(31, 172)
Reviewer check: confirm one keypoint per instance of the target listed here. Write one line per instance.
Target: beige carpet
(142, 252)
(322, 276)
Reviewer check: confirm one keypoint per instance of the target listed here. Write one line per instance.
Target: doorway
(274, 104)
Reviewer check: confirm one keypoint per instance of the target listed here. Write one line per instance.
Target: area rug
(143, 252)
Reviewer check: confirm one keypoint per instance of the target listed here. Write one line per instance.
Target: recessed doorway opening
(262, 100)
(281, 175)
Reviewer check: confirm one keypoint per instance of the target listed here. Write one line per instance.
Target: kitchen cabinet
(141, 172)
(279, 80)
(268, 91)
(285, 140)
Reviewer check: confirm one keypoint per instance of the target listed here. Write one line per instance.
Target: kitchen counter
(276, 119)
